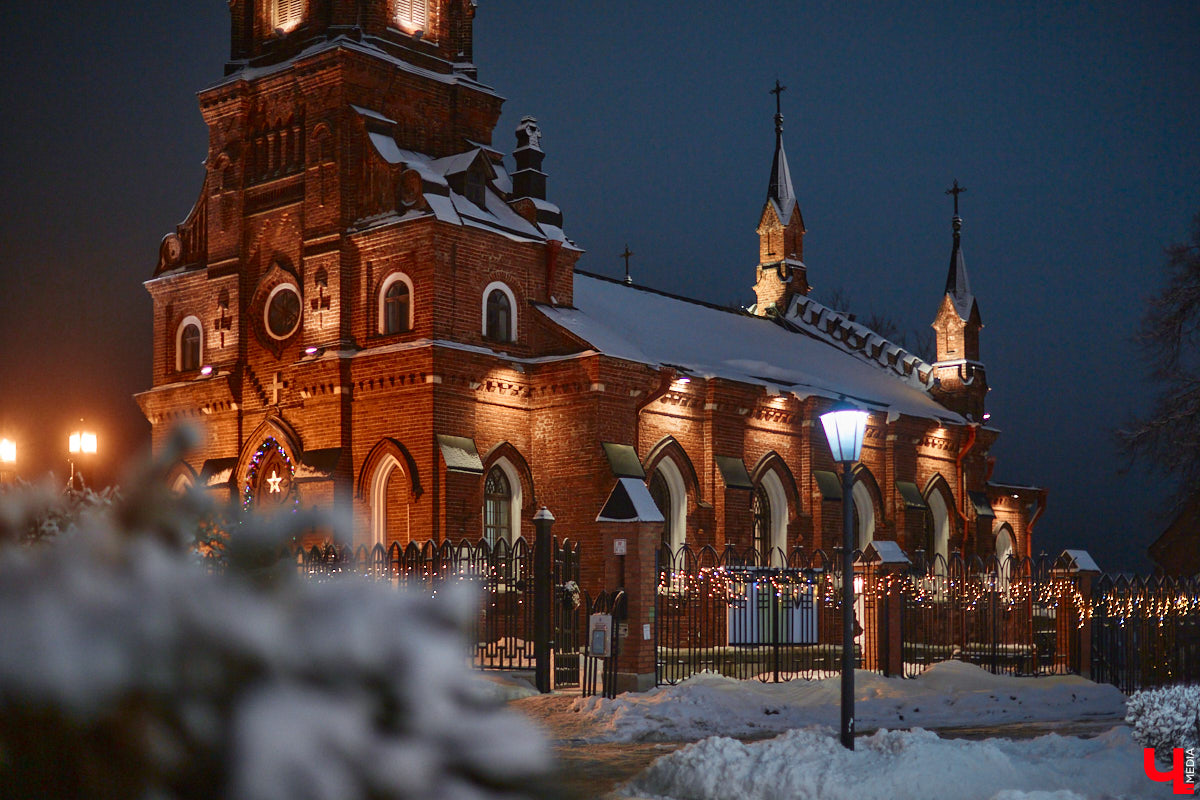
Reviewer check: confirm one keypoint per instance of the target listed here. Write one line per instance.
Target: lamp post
(8, 460)
(844, 428)
(80, 444)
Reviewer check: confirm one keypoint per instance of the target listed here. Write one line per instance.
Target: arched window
(864, 516)
(670, 495)
(389, 503)
(660, 493)
(189, 349)
(760, 507)
(395, 305)
(498, 316)
(286, 14)
(497, 507)
(938, 543)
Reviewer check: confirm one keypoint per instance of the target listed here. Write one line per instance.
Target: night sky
(1073, 125)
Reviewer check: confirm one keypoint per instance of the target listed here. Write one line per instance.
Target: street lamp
(80, 444)
(844, 428)
(8, 459)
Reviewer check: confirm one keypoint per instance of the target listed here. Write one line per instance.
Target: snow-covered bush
(128, 670)
(31, 513)
(1165, 718)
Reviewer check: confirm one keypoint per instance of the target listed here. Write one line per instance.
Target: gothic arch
(384, 449)
(868, 506)
(669, 446)
(668, 459)
(772, 461)
(275, 427)
(180, 477)
(519, 470)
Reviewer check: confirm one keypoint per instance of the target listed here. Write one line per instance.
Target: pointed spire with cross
(780, 189)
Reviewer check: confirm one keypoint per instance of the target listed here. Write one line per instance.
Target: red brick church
(371, 307)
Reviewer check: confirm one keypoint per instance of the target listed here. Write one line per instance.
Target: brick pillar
(635, 573)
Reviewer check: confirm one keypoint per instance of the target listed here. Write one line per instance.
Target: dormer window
(412, 15)
(475, 187)
(286, 14)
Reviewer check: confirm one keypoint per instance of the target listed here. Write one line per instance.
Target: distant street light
(844, 428)
(81, 445)
(8, 460)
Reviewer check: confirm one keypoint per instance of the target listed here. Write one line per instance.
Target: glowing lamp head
(206, 370)
(8, 451)
(82, 442)
(311, 351)
(844, 428)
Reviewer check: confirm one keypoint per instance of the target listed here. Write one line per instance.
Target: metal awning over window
(829, 483)
(460, 454)
(623, 460)
(983, 506)
(733, 470)
(911, 496)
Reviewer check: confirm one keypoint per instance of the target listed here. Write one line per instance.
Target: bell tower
(781, 272)
(436, 34)
(962, 379)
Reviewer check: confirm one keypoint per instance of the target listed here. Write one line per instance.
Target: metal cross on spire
(778, 92)
(956, 190)
(628, 254)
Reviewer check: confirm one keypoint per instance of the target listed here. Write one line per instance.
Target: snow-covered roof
(836, 328)
(448, 205)
(630, 501)
(706, 341)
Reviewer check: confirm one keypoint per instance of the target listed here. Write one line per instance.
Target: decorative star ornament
(274, 480)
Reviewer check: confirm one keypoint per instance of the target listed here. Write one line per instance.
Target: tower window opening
(189, 348)
(499, 316)
(287, 14)
(413, 14)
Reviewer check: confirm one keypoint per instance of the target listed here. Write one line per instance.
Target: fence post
(543, 599)
(1082, 569)
(884, 567)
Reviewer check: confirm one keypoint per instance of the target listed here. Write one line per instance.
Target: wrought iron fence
(1145, 631)
(1002, 616)
(736, 613)
(503, 577)
(778, 618)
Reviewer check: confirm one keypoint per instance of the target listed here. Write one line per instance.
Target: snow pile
(948, 694)
(901, 765)
(1166, 718)
(127, 670)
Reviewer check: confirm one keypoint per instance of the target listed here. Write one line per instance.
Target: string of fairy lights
(1122, 604)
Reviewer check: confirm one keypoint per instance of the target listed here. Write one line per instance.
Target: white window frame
(189, 320)
(379, 509)
(777, 497)
(677, 490)
(865, 534)
(512, 305)
(940, 515)
(287, 286)
(515, 501)
(393, 279)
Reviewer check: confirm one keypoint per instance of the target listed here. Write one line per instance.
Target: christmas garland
(266, 447)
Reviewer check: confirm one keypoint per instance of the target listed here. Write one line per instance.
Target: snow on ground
(949, 694)
(899, 765)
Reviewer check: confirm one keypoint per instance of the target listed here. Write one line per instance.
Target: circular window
(283, 311)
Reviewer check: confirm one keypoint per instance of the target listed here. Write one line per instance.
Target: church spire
(781, 272)
(780, 190)
(961, 378)
(958, 287)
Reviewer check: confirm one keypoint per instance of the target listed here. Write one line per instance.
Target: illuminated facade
(368, 309)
